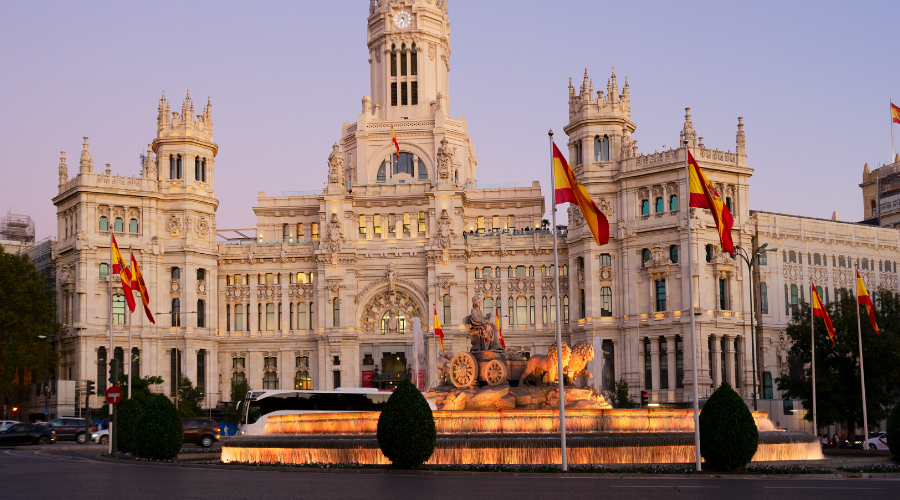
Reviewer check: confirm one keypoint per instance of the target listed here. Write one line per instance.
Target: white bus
(261, 404)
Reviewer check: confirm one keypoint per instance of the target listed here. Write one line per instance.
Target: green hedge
(128, 413)
(159, 433)
(893, 432)
(406, 430)
(728, 434)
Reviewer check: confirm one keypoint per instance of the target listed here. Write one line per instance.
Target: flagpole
(812, 331)
(862, 372)
(129, 331)
(892, 143)
(559, 371)
(109, 353)
(690, 263)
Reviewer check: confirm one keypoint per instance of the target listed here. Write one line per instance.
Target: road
(43, 475)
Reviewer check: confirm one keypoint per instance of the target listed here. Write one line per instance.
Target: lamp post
(46, 377)
(178, 355)
(742, 253)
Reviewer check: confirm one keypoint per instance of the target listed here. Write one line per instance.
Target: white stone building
(325, 292)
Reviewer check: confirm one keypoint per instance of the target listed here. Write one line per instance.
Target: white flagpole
(559, 373)
(128, 355)
(892, 141)
(812, 332)
(109, 353)
(690, 264)
(862, 372)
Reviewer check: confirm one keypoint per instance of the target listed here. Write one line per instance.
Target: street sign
(113, 395)
(46, 411)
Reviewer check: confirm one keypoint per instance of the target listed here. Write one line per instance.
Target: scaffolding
(15, 227)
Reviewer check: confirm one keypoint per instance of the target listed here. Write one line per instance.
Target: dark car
(68, 429)
(16, 434)
(856, 442)
(201, 431)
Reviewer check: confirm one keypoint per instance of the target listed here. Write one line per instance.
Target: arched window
(423, 172)
(673, 254)
(238, 317)
(382, 173)
(196, 168)
(104, 223)
(270, 380)
(104, 270)
(728, 204)
(673, 203)
(645, 207)
(172, 167)
(176, 312)
(201, 314)
(201, 274)
(227, 317)
(659, 205)
(178, 167)
(119, 225)
(133, 226)
(176, 273)
(203, 170)
(394, 63)
(645, 256)
(336, 311)
(601, 148)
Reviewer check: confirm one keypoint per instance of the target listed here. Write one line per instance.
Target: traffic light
(113, 372)
(15, 409)
(90, 388)
(645, 397)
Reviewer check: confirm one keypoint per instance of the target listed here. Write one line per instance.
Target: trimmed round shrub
(893, 432)
(406, 431)
(128, 413)
(159, 432)
(728, 434)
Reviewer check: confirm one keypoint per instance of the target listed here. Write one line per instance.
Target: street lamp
(46, 377)
(742, 253)
(178, 376)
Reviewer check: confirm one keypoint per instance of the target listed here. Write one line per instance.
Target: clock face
(402, 19)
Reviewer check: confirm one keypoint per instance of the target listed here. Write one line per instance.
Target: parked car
(855, 443)
(101, 436)
(4, 423)
(201, 431)
(877, 441)
(69, 429)
(16, 434)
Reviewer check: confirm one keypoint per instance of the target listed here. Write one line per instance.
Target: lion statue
(545, 369)
(582, 354)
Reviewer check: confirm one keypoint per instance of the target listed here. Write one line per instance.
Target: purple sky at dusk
(811, 79)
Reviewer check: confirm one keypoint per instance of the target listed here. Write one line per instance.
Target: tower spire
(86, 164)
(63, 168)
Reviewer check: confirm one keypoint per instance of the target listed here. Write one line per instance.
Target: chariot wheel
(495, 372)
(463, 370)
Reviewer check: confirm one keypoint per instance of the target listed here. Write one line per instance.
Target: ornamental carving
(548, 286)
(398, 302)
(605, 273)
(793, 273)
(576, 218)
(173, 225)
(203, 226)
(67, 274)
(398, 281)
(268, 292)
(201, 287)
(391, 276)
(657, 257)
(606, 207)
(520, 285)
(237, 293)
(174, 286)
(579, 276)
(888, 281)
(487, 285)
(431, 51)
(334, 286)
(818, 274)
(334, 236)
(301, 291)
(445, 282)
(445, 234)
(445, 159)
(336, 167)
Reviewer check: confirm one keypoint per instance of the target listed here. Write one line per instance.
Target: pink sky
(811, 79)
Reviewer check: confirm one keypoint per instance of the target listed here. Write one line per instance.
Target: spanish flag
(437, 329)
(704, 195)
(819, 311)
(895, 113)
(137, 282)
(862, 296)
(394, 140)
(499, 329)
(121, 268)
(569, 190)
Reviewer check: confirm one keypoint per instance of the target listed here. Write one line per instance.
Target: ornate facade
(326, 292)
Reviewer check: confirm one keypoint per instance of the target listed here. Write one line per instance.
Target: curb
(393, 472)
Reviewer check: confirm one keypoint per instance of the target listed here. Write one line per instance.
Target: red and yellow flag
(862, 296)
(121, 268)
(819, 311)
(137, 282)
(438, 330)
(704, 195)
(499, 329)
(895, 113)
(394, 140)
(569, 190)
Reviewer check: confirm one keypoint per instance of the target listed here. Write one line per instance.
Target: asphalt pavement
(46, 474)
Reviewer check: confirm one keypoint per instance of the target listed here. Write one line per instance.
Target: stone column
(385, 222)
(670, 359)
(252, 308)
(641, 372)
(654, 367)
(729, 360)
(715, 367)
(284, 303)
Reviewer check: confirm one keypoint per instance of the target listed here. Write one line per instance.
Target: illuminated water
(508, 437)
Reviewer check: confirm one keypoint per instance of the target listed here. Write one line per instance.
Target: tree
(893, 432)
(406, 431)
(621, 398)
(159, 433)
(239, 391)
(128, 413)
(140, 392)
(27, 310)
(838, 391)
(728, 433)
(189, 398)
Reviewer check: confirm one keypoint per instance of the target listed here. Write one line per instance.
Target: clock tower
(409, 58)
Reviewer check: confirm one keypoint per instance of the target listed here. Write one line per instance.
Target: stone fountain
(495, 407)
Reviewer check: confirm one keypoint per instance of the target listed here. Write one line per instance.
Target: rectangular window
(660, 295)
(201, 314)
(392, 223)
(422, 222)
(565, 309)
(606, 302)
(227, 317)
(764, 298)
(511, 222)
(270, 317)
(315, 230)
(480, 224)
(414, 92)
(300, 234)
(544, 310)
(238, 317)
(362, 225)
(104, 271)
(679, 363)
(393, 93)
(723, 295)
(648, 367)
(795, 302)
(768, 393)
(403, 94)
(605, 260)
(119, 309)
(553, 310)
(521, 272)
(609, 365)
(406, 223)
(446, 310)
(201, 370)
(377, 224)
(763, 259)
(337, 379)
(522, 311)
(336, 311)
(291, 317)
(581, 305)
(301, 316)
(663, 365)
(175, 369)
(511, 310)
(531, 312)
(495, 223)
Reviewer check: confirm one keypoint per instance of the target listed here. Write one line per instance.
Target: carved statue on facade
(392, 323)
(444, 160)
(334, 237)
(336, 166)
(482, 331)
(391, 276)
(445, 233)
